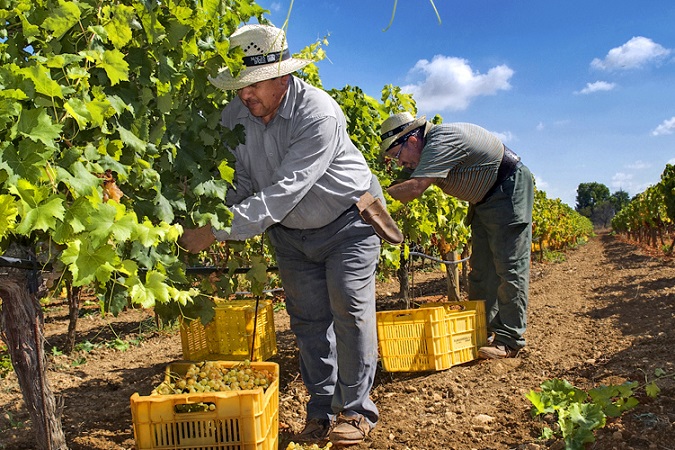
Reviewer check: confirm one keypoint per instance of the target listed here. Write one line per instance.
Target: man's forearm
(409, 190)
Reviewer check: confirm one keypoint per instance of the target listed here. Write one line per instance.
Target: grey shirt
(300, 170)
(463, 158)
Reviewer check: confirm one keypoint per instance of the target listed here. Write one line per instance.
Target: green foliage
(589, 195)
(579, 412)
(119, 344)
(619, 199)
(111, 144)
(85, 346)
(13, 423)
(555, 225)
(649, 213)
(5, 362)
(667, 186)
(110, 141)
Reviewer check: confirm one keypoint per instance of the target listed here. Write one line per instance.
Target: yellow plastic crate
(436, 336)
(466, 328)
(229, 336)
(241, 420)
(413, 340)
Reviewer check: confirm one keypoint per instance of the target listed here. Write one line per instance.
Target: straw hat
(266, 56)
(397, 126)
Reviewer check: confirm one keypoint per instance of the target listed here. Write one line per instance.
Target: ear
(415, 142)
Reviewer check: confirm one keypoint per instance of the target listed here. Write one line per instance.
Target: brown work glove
(194, 240)
(374, 213)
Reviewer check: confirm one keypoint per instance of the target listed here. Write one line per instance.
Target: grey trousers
(501, 233)
(328, 275)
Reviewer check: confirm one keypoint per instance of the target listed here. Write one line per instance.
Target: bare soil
(603, 315)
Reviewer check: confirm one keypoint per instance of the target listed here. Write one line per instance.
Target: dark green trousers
(501, 236)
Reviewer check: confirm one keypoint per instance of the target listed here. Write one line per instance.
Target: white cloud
(540, 126)
(672, 161)
(623, 181)
(275, 7)
(450, 83)
(595, 87)
(667, 127)
(635, 53)
(505, 136)
(540, 183)
(638, 165)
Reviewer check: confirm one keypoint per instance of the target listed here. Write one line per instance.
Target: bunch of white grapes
(294, 446)
(209, 376)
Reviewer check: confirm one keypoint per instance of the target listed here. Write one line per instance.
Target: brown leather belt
(510, 162)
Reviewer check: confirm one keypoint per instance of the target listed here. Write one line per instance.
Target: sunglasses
(402, 142)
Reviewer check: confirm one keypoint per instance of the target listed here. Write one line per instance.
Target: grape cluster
(294, 446)
(210, 376)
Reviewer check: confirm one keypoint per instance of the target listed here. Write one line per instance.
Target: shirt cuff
(221, 235)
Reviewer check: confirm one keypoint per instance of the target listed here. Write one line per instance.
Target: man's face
(264, 97)
(406, 154)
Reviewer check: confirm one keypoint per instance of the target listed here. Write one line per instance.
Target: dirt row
(603, 315)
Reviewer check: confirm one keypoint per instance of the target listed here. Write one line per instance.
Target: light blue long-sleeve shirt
(300, 170)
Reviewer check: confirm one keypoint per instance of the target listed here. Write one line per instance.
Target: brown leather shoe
(349, 430)
(315, 431)
(497, 351)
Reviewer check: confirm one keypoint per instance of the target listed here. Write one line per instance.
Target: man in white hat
(471, 164)
(300, 178)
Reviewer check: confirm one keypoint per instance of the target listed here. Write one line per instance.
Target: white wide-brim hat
(266, 56)
(397, 126)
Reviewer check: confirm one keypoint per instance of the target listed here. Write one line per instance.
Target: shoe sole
(482, 355)
(347, 442)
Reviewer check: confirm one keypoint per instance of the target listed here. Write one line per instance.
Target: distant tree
(619, 199)
(589, 195)
(602, 214)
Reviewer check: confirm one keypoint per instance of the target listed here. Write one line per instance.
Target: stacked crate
(237, 332)
(233, 420)
(435, 336)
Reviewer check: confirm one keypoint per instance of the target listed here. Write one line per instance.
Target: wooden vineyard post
(22, 327)
(452, 276)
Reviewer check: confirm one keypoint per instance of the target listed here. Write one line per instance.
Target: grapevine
(210, 376)
(650, 215)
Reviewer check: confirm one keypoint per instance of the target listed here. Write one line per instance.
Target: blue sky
(583, 91)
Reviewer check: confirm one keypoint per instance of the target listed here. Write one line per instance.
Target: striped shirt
(463, 158)
(300, 170)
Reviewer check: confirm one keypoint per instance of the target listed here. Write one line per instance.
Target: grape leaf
(119, 27)
(36, 125)
(62, 18)
(651, 389)
(8, 213)
(42, 217)
(88, 263)
(115, 66)
(42, 80)
(80, 182)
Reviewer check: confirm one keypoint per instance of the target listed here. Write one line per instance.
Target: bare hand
(194, 240)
